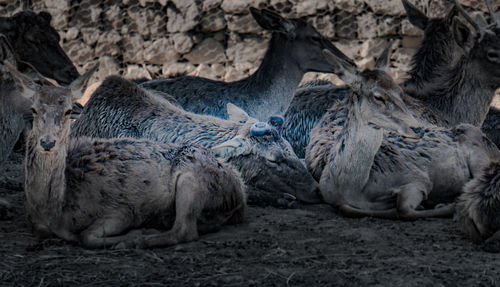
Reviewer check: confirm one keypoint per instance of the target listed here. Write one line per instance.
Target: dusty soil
(306, 246)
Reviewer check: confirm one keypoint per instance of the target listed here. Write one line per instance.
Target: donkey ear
(230, 148)
(384, 60)
(6, 51)
(79, 85)
(416, 17)
(236, 114)
(23, 84)
(347, 72)
(272, 21)
(481, 21)
(462, 35)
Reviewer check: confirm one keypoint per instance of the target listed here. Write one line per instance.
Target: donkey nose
(47, 145)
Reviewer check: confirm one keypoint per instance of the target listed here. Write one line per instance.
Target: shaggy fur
(295, 48)
(36, 42)
(383, 162)
(478, 207)
(95, 191)
(465, 97)
(120, 108)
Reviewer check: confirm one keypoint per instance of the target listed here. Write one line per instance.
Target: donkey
(294, 49)
(384, 162)
(36, 42)
(444, 45)
(94, 191)
(477, 209)
(121, 108)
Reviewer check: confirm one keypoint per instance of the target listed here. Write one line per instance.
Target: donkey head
(485, 46)
(51, 111)
(375, 94)
(438, 48)
(267, 161)
(37, 43)
(300, 39)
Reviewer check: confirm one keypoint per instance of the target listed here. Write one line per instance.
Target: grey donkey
(478, 208)
(12, 103)
(294, 49)
(447, 41)
(267, 163)
(384, 162)
(36, 42)
(104, 193)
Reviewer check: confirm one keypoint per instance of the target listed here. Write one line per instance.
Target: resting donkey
(448, 51)
(95, 190)
(294, 49)
(384, 162)
(267, 163)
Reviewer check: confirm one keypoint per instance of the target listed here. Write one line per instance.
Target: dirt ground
(306, 246)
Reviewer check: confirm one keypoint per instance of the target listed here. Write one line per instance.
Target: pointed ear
(230, 148)
(236, 114)
(79, 85)
(462, 34)
(272, 21)
(6, 51)
(481, 21)
(23, 83)
(416, 17)
(449, 17)
(384, 60)
(347, 72)
(6, 24)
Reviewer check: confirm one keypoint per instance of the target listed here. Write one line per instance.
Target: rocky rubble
(219, 39)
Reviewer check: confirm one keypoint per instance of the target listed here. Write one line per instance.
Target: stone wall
(219, 39)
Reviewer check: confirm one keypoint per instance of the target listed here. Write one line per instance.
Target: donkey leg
(105, 232)
(410, 196)
(190, 198)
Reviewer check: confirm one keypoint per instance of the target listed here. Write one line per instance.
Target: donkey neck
(274, 83)
(45, 183)
(460, 95)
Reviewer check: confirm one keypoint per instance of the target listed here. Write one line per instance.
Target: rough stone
(107, 67)
(207, 52)
(234, 6)
(367, 26)
(308, 8)
(184, 21)
(242, 24)
(387, 7)
(175, 69)
(107, 44)
(90, 35)
(211, 4)
(160, 51)
(408, 29)
(205, 71)
(250, 50)
(325, 25)
(78, 52)
(136, 72)
(133, 49)
(182, 43)
(372, 47)
(388, 26)
(232, 74)
(346, 25)
(213, 22)
(71, 34)
(349, 6)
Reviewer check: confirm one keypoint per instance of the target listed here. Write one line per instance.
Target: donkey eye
(316, 38)
(379, 97)
(68, 112)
